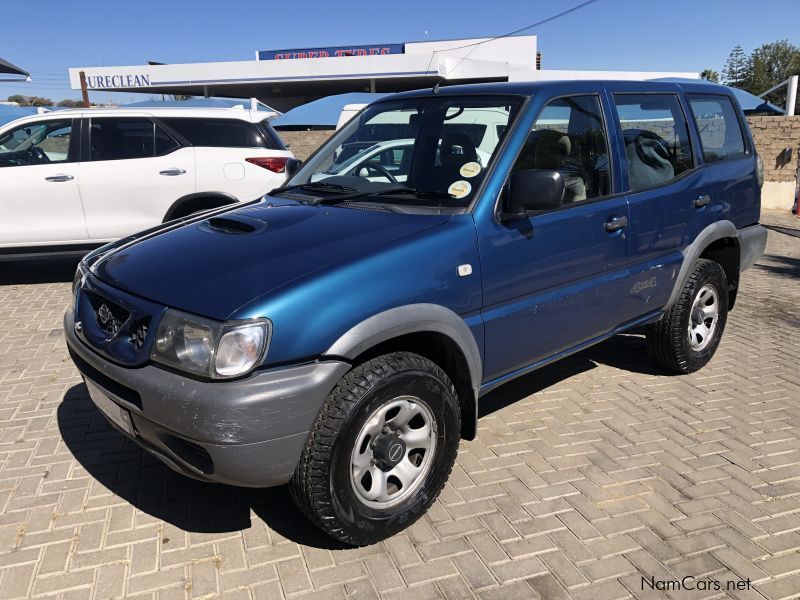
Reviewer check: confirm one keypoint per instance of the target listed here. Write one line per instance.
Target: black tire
(668, 338)
(321, 486)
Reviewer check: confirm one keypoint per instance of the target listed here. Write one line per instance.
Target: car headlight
(77, 281)
(209, 348)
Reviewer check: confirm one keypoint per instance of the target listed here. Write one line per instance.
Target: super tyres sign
(333, 52)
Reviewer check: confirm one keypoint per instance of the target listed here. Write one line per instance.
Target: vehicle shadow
(626, 351)
(779, 265)
(141, 480)
(52, 270)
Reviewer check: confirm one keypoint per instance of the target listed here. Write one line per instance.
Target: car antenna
(437, 84)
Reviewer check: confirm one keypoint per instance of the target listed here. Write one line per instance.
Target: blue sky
(681, 35)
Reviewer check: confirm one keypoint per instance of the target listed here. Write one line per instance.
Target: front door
(39, 197)
(554, 281)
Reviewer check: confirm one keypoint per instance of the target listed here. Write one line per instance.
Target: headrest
(552, 148)
(457, 149)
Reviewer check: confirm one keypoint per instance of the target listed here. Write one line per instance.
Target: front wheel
(688, 334)
(380, 450)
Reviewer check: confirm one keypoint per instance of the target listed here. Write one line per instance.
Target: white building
(287, 78)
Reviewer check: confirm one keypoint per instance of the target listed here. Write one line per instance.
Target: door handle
(702, 200)
(616, 224)
(172, 172)
(60, 178)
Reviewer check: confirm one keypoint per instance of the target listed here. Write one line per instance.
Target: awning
(7, 68)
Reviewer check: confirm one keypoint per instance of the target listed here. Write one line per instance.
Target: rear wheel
(688, 334)
(381, 449)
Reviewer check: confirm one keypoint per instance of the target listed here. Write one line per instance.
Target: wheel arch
(718, 242)
(198, 201)
(429, 330)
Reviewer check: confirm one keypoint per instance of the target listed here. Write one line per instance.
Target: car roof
(528, 88)
(172, 111)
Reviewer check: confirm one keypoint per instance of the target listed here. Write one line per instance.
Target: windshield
(421, 152)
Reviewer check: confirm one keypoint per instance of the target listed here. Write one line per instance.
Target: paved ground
(587, 477)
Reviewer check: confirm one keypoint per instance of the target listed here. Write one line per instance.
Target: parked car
(338, 335)
(74, 179)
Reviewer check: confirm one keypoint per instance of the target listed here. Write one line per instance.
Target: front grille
(139, 333)
(110, 316)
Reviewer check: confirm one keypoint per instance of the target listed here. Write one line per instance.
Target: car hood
(213, 266)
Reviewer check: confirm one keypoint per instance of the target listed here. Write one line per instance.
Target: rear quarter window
(221, 133)
(718, 125)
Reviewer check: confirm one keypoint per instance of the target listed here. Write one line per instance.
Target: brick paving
(587, 476)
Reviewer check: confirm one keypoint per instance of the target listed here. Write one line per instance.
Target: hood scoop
(233, 225)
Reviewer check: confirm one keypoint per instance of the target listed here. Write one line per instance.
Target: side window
(164, 143)
(220, 133)
(118, 138)
(720, 131)
(569, 137)
(37, 143)
(656, 136)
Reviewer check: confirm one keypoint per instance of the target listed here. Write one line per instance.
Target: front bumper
(248, 432)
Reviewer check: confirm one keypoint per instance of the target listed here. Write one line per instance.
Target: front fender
(411, 318)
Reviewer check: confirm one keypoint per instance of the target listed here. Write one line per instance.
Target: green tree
(19, 99)
(30, 100)
(710, 75)
(735, 71)
(70, 103)
(770, 64)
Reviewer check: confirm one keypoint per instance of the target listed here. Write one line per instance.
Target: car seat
(455, 150)
(554, 151)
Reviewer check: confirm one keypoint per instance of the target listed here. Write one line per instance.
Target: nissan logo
(395, 452)
(104, 314)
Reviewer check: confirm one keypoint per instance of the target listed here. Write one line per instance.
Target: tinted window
(164, 142)
(656, 135)
(36, 143)
(569, 137)
(118, 138)
(220, 133)
(720, 131)
(271, 135)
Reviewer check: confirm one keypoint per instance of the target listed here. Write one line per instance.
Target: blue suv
(338, 334)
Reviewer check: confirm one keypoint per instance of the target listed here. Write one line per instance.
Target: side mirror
(530, 191)
(292, 166)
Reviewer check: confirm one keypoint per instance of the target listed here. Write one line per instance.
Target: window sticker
(470, 169)
(459, 189)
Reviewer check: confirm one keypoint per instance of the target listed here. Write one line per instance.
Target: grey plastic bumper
(752, 242)
(249, 432)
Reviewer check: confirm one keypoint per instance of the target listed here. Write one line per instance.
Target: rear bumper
(752, 242)
(248, 432)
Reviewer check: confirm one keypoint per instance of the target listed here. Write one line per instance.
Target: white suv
(73, 179)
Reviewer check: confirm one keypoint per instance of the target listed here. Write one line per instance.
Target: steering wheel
(380, 170)
(37, 155)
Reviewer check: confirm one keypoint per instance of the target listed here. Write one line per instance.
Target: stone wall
(303, 143)
(772, 136)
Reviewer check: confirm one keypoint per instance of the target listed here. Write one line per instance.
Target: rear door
(39, 198)
(670, 199)
(553, 281)
(133, 172)
(231, 155)
(727, 156)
